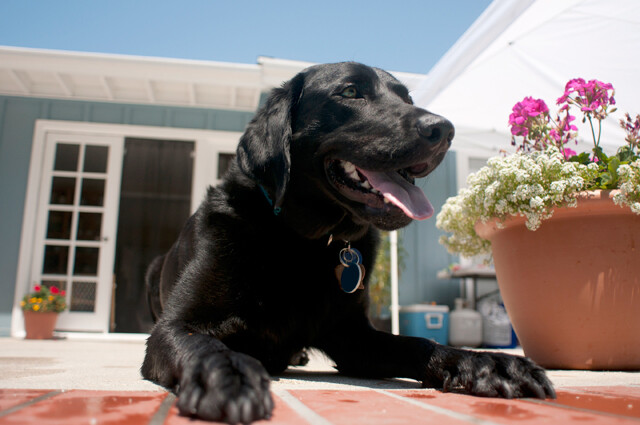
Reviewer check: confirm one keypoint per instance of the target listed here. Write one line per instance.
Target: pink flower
(568, 153)
(37, 288)
(591, 97)
(522, 114)
(54, 290)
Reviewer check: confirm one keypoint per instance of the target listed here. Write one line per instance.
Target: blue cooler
(426, 321)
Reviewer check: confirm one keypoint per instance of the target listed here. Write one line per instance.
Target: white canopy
(519, 48)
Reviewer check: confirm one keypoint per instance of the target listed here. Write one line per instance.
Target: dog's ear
(264, 149)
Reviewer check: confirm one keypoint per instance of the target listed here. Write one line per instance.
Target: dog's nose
(435, 129)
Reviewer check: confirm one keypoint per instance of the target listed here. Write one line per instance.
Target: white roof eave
(147, 80)
(120, 78)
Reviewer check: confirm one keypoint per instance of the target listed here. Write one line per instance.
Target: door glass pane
(89, 226)
(92, 192)
(66, 157)
(95, 159)
(59, 225)
(62, 190)
(83, 296)
(55, 259)
(86, 261)
(60, 284)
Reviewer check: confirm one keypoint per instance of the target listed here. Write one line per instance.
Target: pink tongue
(401, 193)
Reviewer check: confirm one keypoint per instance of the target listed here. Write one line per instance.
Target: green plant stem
(596, 143)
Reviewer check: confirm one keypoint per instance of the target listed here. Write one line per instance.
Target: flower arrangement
(544, 172)
(44, 300)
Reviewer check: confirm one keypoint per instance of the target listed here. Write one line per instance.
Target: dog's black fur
(244, 290)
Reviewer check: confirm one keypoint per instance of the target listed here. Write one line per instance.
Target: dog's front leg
(212, 382)
(364, 351)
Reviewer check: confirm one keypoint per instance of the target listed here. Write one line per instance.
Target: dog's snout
(435, 129)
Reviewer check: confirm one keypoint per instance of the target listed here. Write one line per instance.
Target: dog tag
(351, 278)
(350, 272)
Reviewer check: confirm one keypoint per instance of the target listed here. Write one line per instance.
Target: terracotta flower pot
(572, 287)
(39, 325)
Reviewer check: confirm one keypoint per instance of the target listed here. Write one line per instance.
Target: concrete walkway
(75, 381)
(114, 365)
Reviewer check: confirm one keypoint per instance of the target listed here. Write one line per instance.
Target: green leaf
(603, 181)
(608, 178)
(599, 153)
(626, 154)
(581, 158)
(613, 165)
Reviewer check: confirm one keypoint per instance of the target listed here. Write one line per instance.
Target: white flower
(624, 170)
(536, 202)
(576, 182)
(501, 206)
(568, 167)
(523, 184)
(558, 186)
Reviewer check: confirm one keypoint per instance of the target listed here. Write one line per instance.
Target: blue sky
(399, 35)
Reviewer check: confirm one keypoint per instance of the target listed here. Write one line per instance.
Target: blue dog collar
(276, 210)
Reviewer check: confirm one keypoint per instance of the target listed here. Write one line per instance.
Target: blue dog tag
(350, 272)
(350, 278)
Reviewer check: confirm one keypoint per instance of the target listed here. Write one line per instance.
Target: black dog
(255, 276)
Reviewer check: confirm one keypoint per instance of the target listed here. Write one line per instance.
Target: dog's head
(351, 134)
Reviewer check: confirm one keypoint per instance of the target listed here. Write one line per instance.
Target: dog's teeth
(348, 167)
(386, 201)
(365, 185)
(354, 175)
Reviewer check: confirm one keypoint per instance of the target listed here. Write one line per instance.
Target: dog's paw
(495, 375)
(229, 387)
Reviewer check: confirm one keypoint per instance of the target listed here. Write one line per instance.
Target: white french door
(71, 212)
(76, 225)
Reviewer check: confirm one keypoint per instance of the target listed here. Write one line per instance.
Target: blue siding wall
(423, 255)
(17, 122)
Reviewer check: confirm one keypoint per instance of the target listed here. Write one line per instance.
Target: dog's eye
(350, 92)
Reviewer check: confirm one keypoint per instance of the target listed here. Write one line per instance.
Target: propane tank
(465, 326)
